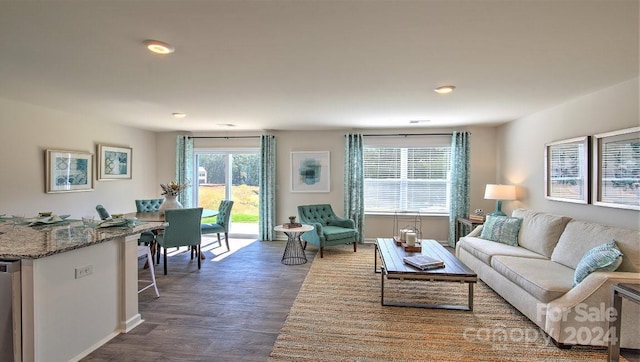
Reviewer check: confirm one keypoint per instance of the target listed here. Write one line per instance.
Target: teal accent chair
(183, 230)
(329, 229)
(103, 213)
(222, 222)
(149, 205)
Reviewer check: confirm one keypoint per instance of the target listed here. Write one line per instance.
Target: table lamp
(499, 193)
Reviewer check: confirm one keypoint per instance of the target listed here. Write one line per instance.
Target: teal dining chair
(222, 222)
(103, 213)
(183, 230)
(148, 205)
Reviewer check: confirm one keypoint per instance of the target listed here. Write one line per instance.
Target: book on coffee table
(423, 262)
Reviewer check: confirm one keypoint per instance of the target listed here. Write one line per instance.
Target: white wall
(28, 130)
(483, 171)
(522, 142)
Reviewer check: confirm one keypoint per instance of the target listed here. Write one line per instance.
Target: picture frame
(114, 162)
(616, 164)
(68, 171)
(566, 170)
(310, 171)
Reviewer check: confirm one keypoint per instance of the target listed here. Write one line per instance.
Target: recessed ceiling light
(226, 125)
(178, 115)
(445, 89)
(159, 47)
(417, 121)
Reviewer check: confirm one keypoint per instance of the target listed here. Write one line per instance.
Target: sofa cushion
(605, 257)
(485, 249)
(581, 236)
(542, 278)
(540, 231)
(337, 233)
(502, 229)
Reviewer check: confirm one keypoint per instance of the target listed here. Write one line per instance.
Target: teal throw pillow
(503, 229)
(605, 257)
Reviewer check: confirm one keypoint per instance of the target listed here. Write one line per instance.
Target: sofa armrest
(595, 285)
(476, 232)
(585, 309)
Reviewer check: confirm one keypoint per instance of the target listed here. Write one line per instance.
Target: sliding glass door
(230, 175)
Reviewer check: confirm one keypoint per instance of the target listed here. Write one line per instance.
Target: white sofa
(536, 276)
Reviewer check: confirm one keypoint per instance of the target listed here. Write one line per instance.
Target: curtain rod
(224, 137)
(364, 135)
(407, 134)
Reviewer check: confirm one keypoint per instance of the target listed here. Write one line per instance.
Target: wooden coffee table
(394, 268)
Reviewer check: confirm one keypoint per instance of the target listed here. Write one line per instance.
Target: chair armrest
(317, 227)
(343, 223)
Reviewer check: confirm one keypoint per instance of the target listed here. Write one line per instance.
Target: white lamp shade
(500, 192)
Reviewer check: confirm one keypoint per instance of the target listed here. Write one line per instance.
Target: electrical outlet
(83, 271)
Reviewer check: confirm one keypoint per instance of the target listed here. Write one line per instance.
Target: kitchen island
(79, 285)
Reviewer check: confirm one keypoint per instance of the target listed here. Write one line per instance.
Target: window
(230, 175)
(406, 179)
(566, 170)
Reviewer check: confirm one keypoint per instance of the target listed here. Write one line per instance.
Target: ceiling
(313, 65)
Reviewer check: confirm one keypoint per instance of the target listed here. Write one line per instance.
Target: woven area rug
(337, 316)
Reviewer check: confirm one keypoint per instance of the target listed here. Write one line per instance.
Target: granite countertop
(34, 242)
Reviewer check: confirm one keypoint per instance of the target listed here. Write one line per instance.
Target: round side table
(293, 252)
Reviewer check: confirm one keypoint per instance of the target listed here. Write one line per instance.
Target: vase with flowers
(171, 192)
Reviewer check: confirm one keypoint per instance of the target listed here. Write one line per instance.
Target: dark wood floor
(230, 310)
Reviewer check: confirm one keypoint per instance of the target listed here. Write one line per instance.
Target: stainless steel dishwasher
(10, 311)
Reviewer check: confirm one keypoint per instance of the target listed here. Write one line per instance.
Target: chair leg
(165, 261)
(226, 240)
(153, 273)
(321, 252)
(219, 242)
(158, 252)
(305, 246)
(152, 248)
(198, 252)
(354, 246)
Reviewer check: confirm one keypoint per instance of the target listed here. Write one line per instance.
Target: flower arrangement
(173, 188)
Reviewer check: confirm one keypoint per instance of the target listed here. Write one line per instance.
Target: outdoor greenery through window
(230, 175)
(412, 179)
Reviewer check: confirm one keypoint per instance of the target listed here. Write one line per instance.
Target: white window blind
(567, 176)
(621, 171)
(406, 179)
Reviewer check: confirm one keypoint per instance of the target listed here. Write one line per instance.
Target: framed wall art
(617, 169)
(567, 170)
(68, 171)
(310, 171)
(114, 162)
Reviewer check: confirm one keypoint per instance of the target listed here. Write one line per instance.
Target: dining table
(157, 216)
